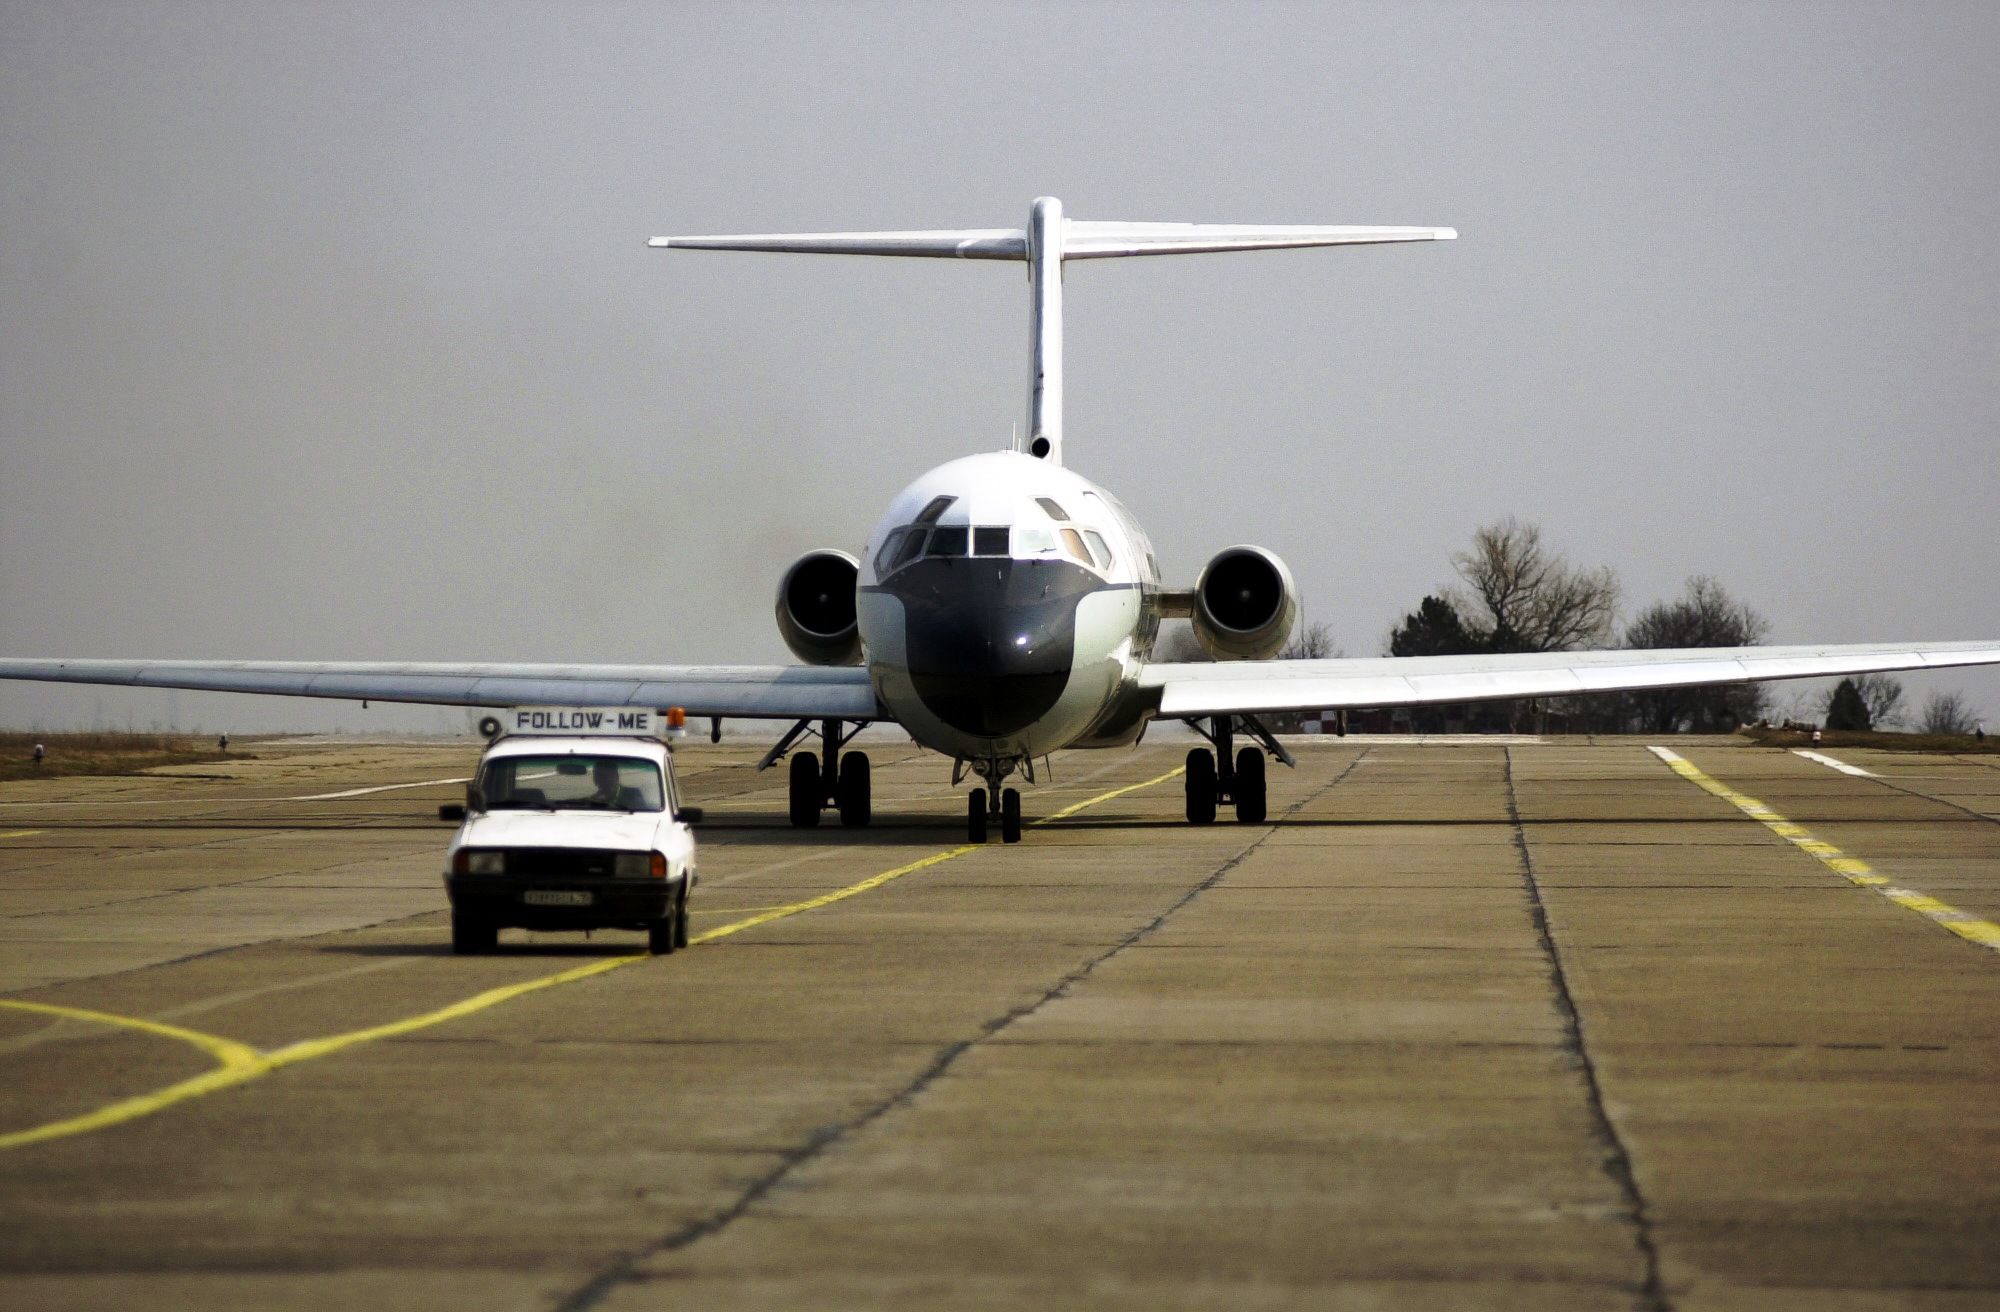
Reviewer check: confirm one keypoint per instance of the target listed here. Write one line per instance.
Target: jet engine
(816, 608)
(1244, 605)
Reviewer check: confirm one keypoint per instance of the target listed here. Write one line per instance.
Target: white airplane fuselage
(1005, 606)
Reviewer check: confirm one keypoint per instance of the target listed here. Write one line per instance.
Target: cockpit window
(885, 559)
(1026, 541)
(948, 541)
(1073, 543)
(1031, 541)
(1055, 511)
(937, 507)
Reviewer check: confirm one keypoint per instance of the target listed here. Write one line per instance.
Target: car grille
(560, 863)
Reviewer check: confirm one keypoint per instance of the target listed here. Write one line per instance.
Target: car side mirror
(452, 811)
(689, 815)
(474, 799)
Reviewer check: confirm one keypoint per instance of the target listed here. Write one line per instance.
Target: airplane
(1006, 607)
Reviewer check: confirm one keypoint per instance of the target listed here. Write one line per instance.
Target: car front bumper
(614, 904)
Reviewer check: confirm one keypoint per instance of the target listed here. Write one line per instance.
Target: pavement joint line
(1618, 1162)
(1969, 927)
(1834, 763)
(626, 1267)
(239, 1063)
(380, 788)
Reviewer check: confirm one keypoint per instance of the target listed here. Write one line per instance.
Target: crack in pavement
(626, 1267)
(1652, 1293)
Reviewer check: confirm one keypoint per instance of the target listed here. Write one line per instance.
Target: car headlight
(486, 863)
(632, 865)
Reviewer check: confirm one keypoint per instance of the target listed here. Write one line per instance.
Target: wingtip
(659, 241)
(1447, 234)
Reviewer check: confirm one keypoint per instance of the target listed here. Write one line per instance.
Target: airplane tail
(1048, 241)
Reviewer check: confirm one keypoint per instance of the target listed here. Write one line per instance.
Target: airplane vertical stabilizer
(1047, 241)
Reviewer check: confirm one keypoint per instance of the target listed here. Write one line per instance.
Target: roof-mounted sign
(572, 721)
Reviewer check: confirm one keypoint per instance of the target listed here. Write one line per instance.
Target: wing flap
(740, 691)
(1249, 687)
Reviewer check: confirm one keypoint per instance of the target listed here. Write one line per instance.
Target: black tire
(681, 921)
(1010, 816)
(470, 934)
(856, 807)
(975, 816)
(1200, 786)
(805, 790)
(1250, 808)
(662, 936)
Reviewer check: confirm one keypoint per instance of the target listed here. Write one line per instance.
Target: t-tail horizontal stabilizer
(1048, 241)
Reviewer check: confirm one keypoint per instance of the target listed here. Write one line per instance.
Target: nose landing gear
(992, 805)
(832, 779)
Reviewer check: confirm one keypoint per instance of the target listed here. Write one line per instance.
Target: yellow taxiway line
(1962, 923)
(238, 1063)
(20, 833)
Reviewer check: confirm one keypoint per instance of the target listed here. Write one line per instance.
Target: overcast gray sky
(327, 331)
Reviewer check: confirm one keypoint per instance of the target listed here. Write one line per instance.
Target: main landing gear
(993, 806)
(1226, 775)
(832, 778)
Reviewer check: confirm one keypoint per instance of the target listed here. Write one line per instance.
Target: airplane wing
(1247, 687)
(779, 692)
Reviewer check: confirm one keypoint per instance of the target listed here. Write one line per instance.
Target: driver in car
(604, 774)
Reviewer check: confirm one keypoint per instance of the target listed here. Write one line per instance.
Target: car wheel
(470, 934)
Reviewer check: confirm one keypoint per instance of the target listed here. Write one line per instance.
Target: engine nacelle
(816, 608)
(1244, 605)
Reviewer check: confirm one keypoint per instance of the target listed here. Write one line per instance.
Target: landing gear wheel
(1200, 786)
(681, 921)
(470, 934)
(975, 816)
(662, 935)
(1010, 816)
(855, 807)
(1250, 786)
(806, 794)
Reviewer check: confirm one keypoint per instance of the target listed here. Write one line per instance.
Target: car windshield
(572, 783)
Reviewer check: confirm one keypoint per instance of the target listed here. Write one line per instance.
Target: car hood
(616, 830)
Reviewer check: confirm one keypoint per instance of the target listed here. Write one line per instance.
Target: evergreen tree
(1433, 630)
(1846, 709)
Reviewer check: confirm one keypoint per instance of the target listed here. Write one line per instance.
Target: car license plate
(556, 897)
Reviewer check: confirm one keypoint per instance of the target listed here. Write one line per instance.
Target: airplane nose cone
(990, 641)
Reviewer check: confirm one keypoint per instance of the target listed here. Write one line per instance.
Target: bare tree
(1880, 693)
(1533, 599)
(1311, 643)
(1946, 713)
(1704, 615)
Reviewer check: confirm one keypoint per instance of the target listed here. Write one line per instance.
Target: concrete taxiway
(1522, 1025)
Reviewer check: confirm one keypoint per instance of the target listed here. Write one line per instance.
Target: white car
(571, 832)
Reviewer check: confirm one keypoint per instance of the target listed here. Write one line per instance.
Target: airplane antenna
(1045, 245)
